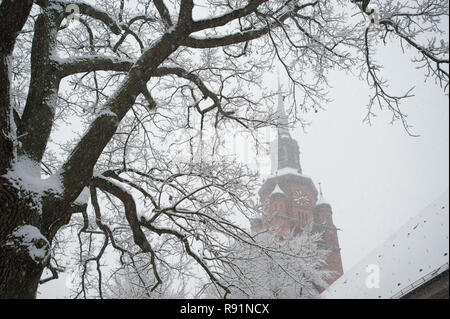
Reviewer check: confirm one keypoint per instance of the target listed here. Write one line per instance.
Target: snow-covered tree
(157, 86)
(277, 268)
(137, 281)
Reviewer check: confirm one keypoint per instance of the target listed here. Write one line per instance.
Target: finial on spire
(321, 198)
(282, 118)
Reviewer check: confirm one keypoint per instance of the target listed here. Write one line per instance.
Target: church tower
(290, 199)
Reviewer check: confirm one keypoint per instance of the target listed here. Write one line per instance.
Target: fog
(376, 177)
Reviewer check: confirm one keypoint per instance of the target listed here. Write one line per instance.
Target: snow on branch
(70, 66)
(25, 174)
(120, 192)
(28, 238)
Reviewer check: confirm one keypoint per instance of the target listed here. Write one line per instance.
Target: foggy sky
(377, 177)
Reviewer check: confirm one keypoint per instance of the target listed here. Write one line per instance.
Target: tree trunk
(19, 275)
(23, 249)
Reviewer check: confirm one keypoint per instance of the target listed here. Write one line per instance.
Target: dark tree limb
(92, 63)
(228, 17)
(163, 12)
(13, 15)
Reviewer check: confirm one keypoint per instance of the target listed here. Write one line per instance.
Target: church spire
(284, 150)
(282, 117)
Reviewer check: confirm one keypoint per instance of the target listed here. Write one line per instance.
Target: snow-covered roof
(288, 170)
(277, 190)
(285, 171)
(417, 252)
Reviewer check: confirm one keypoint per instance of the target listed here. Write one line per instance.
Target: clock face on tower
(302, 199)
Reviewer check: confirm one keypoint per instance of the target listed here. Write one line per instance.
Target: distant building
(291, 201)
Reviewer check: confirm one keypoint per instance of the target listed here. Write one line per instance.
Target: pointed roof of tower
(321, 198)
(277, 190)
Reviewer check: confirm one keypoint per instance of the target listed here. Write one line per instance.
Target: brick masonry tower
(291, 201)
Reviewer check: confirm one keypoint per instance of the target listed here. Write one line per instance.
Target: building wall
(436, 288)
(284, 214)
